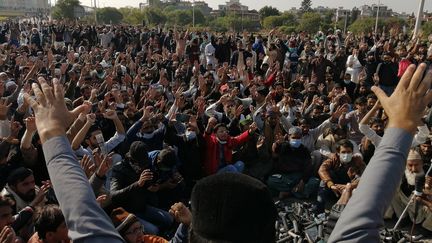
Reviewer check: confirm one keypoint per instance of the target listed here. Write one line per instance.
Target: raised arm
(363, 216)
(86, 224)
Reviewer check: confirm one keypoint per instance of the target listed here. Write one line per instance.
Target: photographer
(134, 183)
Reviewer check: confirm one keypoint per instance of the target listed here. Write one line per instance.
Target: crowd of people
(176, 135)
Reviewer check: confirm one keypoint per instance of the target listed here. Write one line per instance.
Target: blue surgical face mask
(190, 135)
(295, 143)
(345, 158)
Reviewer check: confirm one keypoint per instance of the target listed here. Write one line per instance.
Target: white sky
(397, 5)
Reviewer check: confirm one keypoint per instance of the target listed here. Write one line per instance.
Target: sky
(407, 6)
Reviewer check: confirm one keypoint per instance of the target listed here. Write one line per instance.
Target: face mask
(190, 135)
(345, 158)
(295, 143)
(291, 49)
(347, 81)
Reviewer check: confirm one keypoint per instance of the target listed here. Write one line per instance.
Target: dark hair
(91, 130)
(5, 202)
(376, 120)
(18, 176)
(48, 219)
(219, 126)
(371, 96)
(344, 143)
(360, 100)
(167, 157)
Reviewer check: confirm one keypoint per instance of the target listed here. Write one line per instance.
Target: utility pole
(193, 13)
(346, 22)
(95, 11)
(419, 18)
(377, 16)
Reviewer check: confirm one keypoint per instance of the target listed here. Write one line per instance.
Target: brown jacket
(356, 167)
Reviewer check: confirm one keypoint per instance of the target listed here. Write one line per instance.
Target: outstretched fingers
(40, 98)
(58, 90)
(33, 103)
(47, 90)
(417, 77)
(406, 77)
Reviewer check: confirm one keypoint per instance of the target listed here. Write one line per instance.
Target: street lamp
(377, 16)
(419, 18)
(193, 13)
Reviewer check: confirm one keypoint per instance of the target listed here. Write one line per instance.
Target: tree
(267, 11)
(306, 6)
(184, 17)
(65, 9)
(154, 16)
(427, 28)
(109, 15)
(310, 22)
(133, 16)
(286, 19)
(364, 25)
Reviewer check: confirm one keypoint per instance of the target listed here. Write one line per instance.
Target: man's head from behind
(138, 154)
(22, 182)
(232, 208)
(50, 224)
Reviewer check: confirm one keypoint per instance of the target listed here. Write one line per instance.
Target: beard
(411, 177)
(28, 196)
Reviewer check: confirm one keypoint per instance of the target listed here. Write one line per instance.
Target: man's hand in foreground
(52, 116)
(406, 105)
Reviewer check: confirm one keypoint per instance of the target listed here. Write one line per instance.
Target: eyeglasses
(135, 230)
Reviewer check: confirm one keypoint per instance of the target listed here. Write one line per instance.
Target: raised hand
(87, 165)
(30, 124)
(181, 213)
(405, 106)
(52, 116)
(4, 108)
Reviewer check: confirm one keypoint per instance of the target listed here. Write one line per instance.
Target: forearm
(119, 126)
(27, 139)
(74, 129)
(85, 224)
(79, 138)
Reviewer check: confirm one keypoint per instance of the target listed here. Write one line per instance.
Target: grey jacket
(363, 216)
(86, 220)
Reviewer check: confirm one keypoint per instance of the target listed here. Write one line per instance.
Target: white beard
(411, 176)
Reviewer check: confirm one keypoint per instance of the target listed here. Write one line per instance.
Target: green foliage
(233, 23)
(267, 11)
(64, 9)
(109, 15)
(286, 19)
(133, 16)
(154, 16)
(310, 22)
(287, 29)
(185, 17)
(306, 6)
(427, 28)
(394, 23)
(364, 25)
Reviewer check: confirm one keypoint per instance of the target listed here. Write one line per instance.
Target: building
(25, 7)
(371, 11)
(234, 7)
(179, 5)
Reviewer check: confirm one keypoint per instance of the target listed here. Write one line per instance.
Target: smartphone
(101, 143)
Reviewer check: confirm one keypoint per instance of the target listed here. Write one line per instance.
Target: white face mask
(347, 81)
(345, 158)
(190, 135)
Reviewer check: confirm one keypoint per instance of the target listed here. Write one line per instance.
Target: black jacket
(125, 191)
